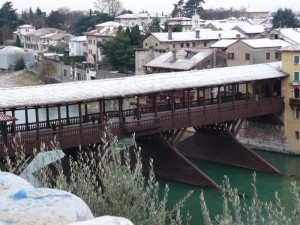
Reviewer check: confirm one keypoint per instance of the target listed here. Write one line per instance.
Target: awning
(5, 118)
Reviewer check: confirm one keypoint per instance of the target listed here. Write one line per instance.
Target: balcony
(294, 102)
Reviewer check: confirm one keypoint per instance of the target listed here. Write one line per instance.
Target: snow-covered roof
(251, 29)
(205, 34)
(109, 31)
(26, 26)
(265, 43)
(291, 48)
(134, 85)
(179, 19)
(109, 24)
(223, 43)
(78, 39)
(227, 25)
(133, 16)
(290, 33)
(56, 35)
(182, 62)
(41, 32)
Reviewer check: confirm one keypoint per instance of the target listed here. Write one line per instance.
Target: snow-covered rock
(19, 197)
(9, 181)
(105, 220)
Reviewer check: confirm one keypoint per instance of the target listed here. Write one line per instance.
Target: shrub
(19, 65)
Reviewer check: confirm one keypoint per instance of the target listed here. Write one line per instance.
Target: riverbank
(18, 79)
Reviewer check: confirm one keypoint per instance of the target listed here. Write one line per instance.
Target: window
(205, 44)
(188, 45)
(94, 42)
(174, 45)
(296, 77)
(181, 45)
(247, 56)
(90, 51)
(230, 55)
(296, 59)
(146, 44)
(156, 44)
(267, 55)
(297, 135)
(194, 44)
(296, 93)
(90, 42)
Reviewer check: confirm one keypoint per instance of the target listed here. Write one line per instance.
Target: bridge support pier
(217, 143)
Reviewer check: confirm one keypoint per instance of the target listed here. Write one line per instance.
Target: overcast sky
(154, 6)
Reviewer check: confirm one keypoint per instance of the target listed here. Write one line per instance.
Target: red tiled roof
(4, 117)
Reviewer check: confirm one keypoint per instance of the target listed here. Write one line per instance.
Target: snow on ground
(8, 79)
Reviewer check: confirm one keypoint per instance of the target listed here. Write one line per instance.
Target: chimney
(238, 36)
(174, 55)
(197, 33)
(220, 36)
(169, 34)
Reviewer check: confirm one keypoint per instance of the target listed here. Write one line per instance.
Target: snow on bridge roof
(134, 85)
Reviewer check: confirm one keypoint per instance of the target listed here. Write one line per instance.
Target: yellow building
(290, 91)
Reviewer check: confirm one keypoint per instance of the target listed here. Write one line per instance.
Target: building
(201, 38)
(225, 24)
(251, 51)
(21, 30)
(40, 39)
(131, 20)
(185, 60)
(251, 31)
(290, 35)
(78, 46)
(58, 38)
(104, 31)
(185, 22)
(291, 93)
(255, 13)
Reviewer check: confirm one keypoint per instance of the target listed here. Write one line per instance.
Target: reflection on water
(267, 184)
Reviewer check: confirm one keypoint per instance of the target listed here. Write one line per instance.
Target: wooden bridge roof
(134, 85)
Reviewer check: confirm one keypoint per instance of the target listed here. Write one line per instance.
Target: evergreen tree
(55, 19)
(118, 52)
(18, 42)
(192, 6)
(7, 12)
(154, 26)
(1, 37)
(178, 9)
(135, 36)
(19, 65)
(286, 17)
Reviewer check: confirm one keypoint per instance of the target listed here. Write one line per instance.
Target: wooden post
(80, 117)
(198, 96)
(247, 92)
(26, 118)
(219, 96)
(67, 113)
(233, 94)
(183, 98)
(225, 94)
(204, 100)
(120, 103)
(138, 116)
(155, 104)
(13, 122)
(47, 116)
(272, 89)
(173, 102)
(59, 119)
(100, 119)
(189, 99)
(37, 121)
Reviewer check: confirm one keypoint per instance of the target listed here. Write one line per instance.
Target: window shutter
(296, 77)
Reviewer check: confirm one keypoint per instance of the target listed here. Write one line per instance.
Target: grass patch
(27, 79)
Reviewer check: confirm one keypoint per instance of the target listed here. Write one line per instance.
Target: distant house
(255, 13)
(251, 31)
(78, 46)
(185, 22)
(201, 38)
(102, 32)
(225, 24)
(250, 51)
(185, 60)
(131, 20)
(290, 35)
(21, 30)
(40, 39)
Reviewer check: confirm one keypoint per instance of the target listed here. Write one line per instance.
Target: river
(267, 184)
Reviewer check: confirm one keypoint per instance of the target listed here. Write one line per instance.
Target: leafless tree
(111, 7)
(47, 69)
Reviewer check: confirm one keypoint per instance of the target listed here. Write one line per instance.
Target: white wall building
(78, 46)
(23, 29)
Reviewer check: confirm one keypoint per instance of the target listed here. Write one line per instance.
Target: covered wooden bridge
(158, 108)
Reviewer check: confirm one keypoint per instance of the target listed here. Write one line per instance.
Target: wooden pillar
(272, 89)
(59, 118)
(225, 94)
(204, 98)
(198, 96)
(233, 94)
(80, 117)
(259, 90)
(138, 108)
(120, 103)
(13, 127)
(211, 95)
(173, 102)
(247, 92)
(183, 98)
(47, 116)
(100, 117)
(26, 118)
(67, 113)
(155, 104)
(189, 99)
(37, 121)
(103, 108)
(219, 96)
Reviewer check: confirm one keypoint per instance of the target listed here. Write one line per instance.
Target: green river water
(267, 184)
